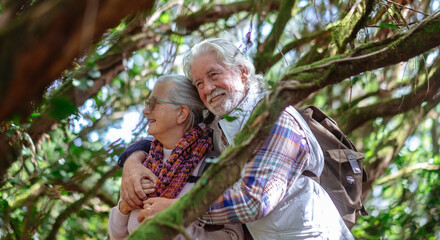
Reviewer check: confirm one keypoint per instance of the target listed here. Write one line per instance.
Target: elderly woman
(174, 111)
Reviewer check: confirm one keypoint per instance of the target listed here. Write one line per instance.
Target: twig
(409, 33)
(403, 6)
(407, 171)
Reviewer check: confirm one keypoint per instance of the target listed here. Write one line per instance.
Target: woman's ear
(183, 114)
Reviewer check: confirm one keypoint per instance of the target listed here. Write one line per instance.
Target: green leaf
(61, 108)
(229, 118)
(94, 73)
(212, 160)
(89, 83)
(203, 181)
(164, 18)
(388, 25)
(10, 133)
(356, 79)
(80, 83)
(271, 83)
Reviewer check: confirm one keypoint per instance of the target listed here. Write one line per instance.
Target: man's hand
(153, 206)
(132, 175)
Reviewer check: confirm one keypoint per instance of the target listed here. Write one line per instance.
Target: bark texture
(51, 35)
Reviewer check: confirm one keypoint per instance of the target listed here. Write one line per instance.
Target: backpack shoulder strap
(203, 166)
(317, 119)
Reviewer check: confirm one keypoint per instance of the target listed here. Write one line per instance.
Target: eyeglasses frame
(155, 99)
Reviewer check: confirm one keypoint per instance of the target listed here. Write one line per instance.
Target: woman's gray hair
(184, 93)
(227, 54)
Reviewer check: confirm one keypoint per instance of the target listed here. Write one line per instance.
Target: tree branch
(110, 65)
(221, 11)
(266, 49)
(390, 51)
(387, 151)
(427, 92)
(294, 44)
(408, 171)
(72, 186)
(76, 206)
(347, 29)
(70, 25)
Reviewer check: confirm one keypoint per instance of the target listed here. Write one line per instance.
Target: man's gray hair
(184, 93)
(227, 54)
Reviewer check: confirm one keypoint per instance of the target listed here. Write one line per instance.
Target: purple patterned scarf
(174, 173)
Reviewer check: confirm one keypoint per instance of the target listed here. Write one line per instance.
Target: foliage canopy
(75, 71)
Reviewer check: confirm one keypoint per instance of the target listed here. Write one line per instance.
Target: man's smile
(216, 98)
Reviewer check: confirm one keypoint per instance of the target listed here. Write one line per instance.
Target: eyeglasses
(151, 102)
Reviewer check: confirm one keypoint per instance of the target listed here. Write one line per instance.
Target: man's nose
(209, 87)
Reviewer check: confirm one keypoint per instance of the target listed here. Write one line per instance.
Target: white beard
(225, 105)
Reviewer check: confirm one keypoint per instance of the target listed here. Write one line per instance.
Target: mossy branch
(347, 28)
(213, 13)
(365, 58)
(427, 92)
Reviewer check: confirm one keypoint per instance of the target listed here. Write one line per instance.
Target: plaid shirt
(267, 178)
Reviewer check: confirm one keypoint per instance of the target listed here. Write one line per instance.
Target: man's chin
(219, 111)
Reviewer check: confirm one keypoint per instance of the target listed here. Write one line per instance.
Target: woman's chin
(150, 132)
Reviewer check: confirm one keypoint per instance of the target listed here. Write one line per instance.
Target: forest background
(75, 74)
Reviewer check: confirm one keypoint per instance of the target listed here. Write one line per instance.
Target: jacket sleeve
(142, 145)
(117, 224)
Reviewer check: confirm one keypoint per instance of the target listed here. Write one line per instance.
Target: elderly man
(272, 198)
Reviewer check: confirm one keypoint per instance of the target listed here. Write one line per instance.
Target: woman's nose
(146, 110)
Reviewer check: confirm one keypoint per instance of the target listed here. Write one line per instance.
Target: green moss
(432, 28)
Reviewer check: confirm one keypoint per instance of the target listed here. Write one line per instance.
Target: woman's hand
(152, 206)
(148, 186)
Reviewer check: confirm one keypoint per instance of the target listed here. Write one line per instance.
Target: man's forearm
(136, 158)
(142, 145)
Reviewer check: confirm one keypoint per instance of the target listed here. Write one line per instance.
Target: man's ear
(183, 114)
(244, 73)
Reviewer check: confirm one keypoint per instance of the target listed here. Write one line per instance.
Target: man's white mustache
(216, 93)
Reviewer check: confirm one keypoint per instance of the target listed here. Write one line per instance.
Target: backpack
(343, 173)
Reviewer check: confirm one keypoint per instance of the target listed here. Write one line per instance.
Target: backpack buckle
(354, 164)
